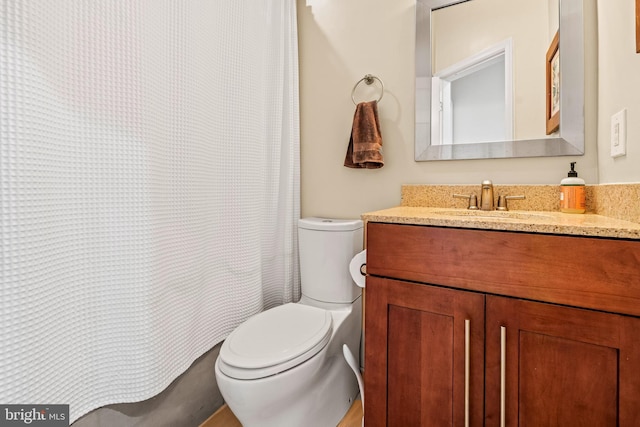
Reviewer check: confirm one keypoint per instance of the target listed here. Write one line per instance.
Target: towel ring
(368, 79)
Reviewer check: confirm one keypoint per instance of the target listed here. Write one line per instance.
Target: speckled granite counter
(524, 221)
(621, 201)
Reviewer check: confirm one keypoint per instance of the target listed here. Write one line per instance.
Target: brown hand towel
(365, 143)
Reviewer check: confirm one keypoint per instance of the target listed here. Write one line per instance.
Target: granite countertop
(548, 222)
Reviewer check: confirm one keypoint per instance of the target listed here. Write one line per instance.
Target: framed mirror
(508, 74)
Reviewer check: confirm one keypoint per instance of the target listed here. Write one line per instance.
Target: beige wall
(553, 7)
(619, 87)
(341, 41)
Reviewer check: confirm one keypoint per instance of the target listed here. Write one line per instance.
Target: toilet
(284, 367)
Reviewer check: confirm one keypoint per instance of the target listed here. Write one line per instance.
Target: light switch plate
(619, 133)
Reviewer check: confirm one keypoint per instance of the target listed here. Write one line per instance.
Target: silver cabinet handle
(467, 333)
(503, 374)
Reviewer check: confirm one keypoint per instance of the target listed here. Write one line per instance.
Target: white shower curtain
(149, 188)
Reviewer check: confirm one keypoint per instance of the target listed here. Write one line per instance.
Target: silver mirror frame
(572, 123)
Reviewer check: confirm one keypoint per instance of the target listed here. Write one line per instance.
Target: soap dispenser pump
(572, 188)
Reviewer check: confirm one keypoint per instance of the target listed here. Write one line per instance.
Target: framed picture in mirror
(553, 86)
(637, 26)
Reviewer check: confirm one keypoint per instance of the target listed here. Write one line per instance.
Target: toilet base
(316, 393)
(284, 400)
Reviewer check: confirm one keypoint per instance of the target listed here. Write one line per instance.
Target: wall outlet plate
(619, 133)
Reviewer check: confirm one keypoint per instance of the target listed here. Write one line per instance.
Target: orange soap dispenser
(572, 193)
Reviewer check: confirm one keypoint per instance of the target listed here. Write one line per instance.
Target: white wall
(340, 42)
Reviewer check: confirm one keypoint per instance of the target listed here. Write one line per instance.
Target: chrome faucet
(486, 196)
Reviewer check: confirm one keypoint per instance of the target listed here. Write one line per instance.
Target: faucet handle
(473, 200)
(502, 201)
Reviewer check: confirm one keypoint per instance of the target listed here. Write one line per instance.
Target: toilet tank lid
(328, 224)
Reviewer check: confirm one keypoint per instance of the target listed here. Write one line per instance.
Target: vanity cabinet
(471, 326)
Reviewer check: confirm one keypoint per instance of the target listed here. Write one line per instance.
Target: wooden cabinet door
(415, 350)
(564, 366)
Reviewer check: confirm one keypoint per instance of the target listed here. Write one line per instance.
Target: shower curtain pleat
(149, 188)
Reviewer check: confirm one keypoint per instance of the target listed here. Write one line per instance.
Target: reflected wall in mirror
(497, 49)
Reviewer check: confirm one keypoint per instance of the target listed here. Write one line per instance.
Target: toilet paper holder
(358, 268)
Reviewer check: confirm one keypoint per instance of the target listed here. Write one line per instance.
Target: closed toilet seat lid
(274, 341)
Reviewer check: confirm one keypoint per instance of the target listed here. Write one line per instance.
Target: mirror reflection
(481, 79)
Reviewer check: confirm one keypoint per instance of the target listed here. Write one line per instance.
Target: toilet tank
(326, 248)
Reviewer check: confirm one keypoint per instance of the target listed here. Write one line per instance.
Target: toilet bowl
(285, 367)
